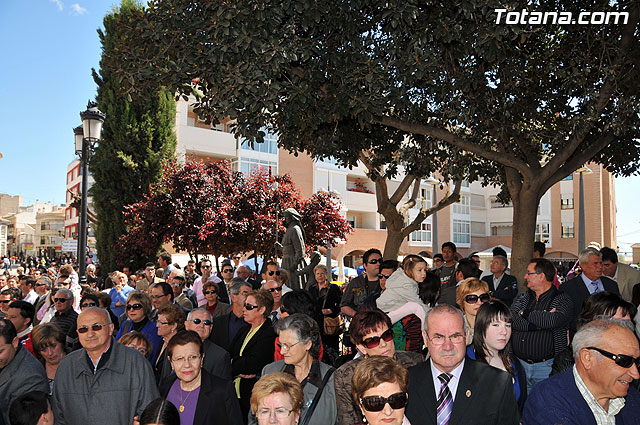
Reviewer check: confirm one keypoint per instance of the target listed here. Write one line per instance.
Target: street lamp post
(86, 137)
(581, 226)
(434, 217)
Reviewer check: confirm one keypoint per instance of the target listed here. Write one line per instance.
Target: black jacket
(578, 292)
(506, 290)
(220, 333)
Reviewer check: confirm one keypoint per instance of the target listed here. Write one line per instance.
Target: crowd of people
(403, 343)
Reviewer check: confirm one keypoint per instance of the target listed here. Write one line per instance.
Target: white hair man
(216, 361)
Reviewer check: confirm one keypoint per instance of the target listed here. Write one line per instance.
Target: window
(478, 228)
(425, 195)
(542, 233)
(461, 231)
(497, 204)
(43, 240)
(383, 224)
(248, 165)
(465, 183)
(500, 229)
(422, 235)
(566, 202)
(462, 206)
(567, 231)
(270, 144)
(568, 178)
(351, 219)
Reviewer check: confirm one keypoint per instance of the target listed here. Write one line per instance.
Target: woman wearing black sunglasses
(138, 309)
(471, 293)
(380, 387)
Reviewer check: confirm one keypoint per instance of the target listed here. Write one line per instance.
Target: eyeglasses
(473, 298)
(205, 267)
(375, 261)
(374, 341)
(41, 284)
(386, 276)
(250, 307)
(206, 322)
(155, 297)
(530, 273)
(278, 289)
(96, 327)
(133, 307)
(211, 292)
(60, 300)
(376, 403)
(456, 338)
(188, 359)
(621, 360)
(272, 272)
(287, 347)
(85, 305)
(227, 271)
(160, 322)
(280, 413)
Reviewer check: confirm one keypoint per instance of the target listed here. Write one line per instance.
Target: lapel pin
(468, 393)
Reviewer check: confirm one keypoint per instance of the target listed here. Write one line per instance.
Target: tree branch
(447, 200)
(412, 200)
(405, 184)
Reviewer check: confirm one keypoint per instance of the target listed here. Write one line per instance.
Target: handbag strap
(316, 398)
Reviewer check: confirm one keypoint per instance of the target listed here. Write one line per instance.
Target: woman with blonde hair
(279, 396)
(471, 293)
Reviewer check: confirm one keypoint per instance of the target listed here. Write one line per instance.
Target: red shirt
(26, 342)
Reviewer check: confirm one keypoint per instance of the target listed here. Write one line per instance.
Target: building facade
(71, 214)
(49, 233)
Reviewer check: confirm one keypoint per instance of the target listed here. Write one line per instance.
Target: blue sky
(49, 48)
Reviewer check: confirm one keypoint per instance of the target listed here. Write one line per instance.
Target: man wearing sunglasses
(364, 286)
(541, 318)
(275, 288)
(104, 382)
(451, 389)
(216, 360)
(598, 388)
(65, 316)
(149, 278)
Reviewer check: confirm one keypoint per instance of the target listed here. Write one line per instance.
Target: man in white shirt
(27, 284)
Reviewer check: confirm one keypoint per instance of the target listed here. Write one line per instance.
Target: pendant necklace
(183, 401)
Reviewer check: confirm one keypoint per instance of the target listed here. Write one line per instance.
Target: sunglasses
(5, 301)
(134, 307)
(278, 289)
(205, 267)
(272, 272)
(374, 341)
(206, 322)
(41, 284)
(375, 261)
(96, 327)
(211, 292)
(250, 307)
(621, 360)
(376, 403)
(386, 276)
(227, 271)
(85, 305)
(472, 298)
(237, 258)
(60, 300)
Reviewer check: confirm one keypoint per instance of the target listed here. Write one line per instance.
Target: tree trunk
(392, 244)
(525, 208)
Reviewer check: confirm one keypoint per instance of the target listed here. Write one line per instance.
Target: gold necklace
(183, 401)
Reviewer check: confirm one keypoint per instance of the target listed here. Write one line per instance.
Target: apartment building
(71, 214)
(49, 233)
(476, 223)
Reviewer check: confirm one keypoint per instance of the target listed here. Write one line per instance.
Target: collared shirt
(197, 287)
(31, 297)
(453, 383)
(601, 416)
(593, 286)
(496, 281)
(102, 360)
(235, 324)
(314, 377)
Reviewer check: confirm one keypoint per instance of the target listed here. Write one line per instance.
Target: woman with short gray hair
(300, 346)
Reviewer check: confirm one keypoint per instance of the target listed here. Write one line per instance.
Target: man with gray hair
(451, 389)
(597, 389)
(226, 327)
(216, 361)
(103, 381)
(588, 282)
(65, 316)
(503, 286)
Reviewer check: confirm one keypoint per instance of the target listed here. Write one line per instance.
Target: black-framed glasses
(227, 271)
(60, 300)
(250, 307)
(41, 284)
(237, 257)
(374, 341)
(206, 322)
(133, 307)
(5, 301)
(272, 272)
(209, 292)
(96, 327)
(386, 276)
(205, 267)
(85, 305)
(473, 298)
(276, 289)
(376, 403)
(375, 261)
(621, 360)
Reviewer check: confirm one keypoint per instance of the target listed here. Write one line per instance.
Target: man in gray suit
(625, 275)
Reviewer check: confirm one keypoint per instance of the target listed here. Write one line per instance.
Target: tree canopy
(526, 104)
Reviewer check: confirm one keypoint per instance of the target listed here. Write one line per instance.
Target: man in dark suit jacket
(217, 361)
(588, 282)
(503, 286)
(226, 328)
(470, 392)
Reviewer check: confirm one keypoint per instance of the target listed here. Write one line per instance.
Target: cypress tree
(137, 137)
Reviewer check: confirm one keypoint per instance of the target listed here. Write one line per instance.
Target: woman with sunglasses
(471, 293)
(49, 342)
(299, 343)
(492, 345)
(138, 309)
(214, 306)
(372, 334)
(327, 297)
(380, 387)
(201, 398)
(277, 398)
(253, 347)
